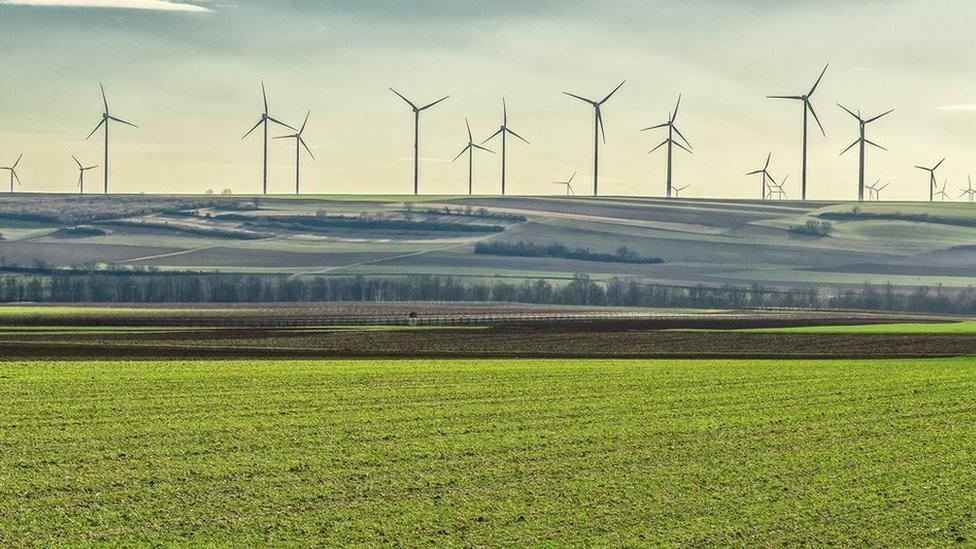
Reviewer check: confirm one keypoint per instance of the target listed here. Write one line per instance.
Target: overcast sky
(188, 74)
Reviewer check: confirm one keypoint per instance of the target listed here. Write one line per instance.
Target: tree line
(155, 287)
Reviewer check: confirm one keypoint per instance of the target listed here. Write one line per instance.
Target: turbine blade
(95, 130)
(571, 178)
(248, 131)
(17, 162)
(886, 113)
(819, 78)
(280, 123)
(429, 105)
(305, 145)
(409, 102)
(470, 139)
(77, 162)
(869, 142)
(464, 150)
(305, 123)
(264, 95)
(663, 143)
(678, 143)
(757, 172)
(580, 98)
(768, 158)
(677, 131)
(504, 113)
(122, 121)
(674, 115)
(849, 147)
(939, 164)
(518, 136)
(500, 130)
(104, 98)
(609, 95)
(849, 111)
(664, 125)
(599, 122)
(477, 146)
(793, 97)
(809, 105)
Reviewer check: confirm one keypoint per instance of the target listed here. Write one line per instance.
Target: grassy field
(496, 452)
(964, 327)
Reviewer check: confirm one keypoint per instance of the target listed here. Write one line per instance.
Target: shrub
(813, 228)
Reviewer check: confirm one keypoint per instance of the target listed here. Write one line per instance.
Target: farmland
(708, 242)
(422, 452)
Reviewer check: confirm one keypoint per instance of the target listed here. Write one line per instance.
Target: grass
(488, 452)
(964, 327)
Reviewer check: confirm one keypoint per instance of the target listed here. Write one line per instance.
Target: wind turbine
(874, 191)
(469, 148)
(861, 141)
(597, 131)
(765, 175)
(777, 188)
(568, 184)
(107, 118)
(416, 135)
(933, 183)
(670, 141)
(679, 189)
(81, 174)
(942, 192)
(13, 173)
(299, 143)
(807, 107)
(263, 120)
(503, 131)
(969, 190)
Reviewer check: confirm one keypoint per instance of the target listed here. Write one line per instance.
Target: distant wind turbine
(503, 131)
(597, 131)
(13, 173)
(679, 189)
(469, 148)
(875, 191)
(416, 135)
(764, 171)
(263, 120)
(807, 108)
(777, 188)
(933, 183)
(670, 141)
(861, 141)
(969, 191)
(81, 174)
(299, 143)
(568, 184)
(942, 192)
(107, 118)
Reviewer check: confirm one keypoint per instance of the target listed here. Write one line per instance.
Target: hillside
(710, 242)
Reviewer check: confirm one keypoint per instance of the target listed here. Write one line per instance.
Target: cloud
(152, 5)
(963, 108)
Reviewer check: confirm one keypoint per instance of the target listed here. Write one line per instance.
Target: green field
(964, 327)
(500, 452)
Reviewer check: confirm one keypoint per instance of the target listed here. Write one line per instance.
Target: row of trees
(143, 287)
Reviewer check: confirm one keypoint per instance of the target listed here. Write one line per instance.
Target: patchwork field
(488, 452)
(709, 242)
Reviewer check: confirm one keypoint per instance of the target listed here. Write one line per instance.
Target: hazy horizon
(189, 75)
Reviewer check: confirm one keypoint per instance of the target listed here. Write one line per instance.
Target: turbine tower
(469, 148)
(416, 136)
(933, 183)
(597, 131)
(807, 108)
(969, 191)
(503, 131)
(299, 143)
(861, 142)
(670, 141)
(107, 118)
(13, 173)
(568, 184)
(263, 120)
(765, 176)
(81, 174)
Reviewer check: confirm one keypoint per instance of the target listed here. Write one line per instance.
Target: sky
(189, 75)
